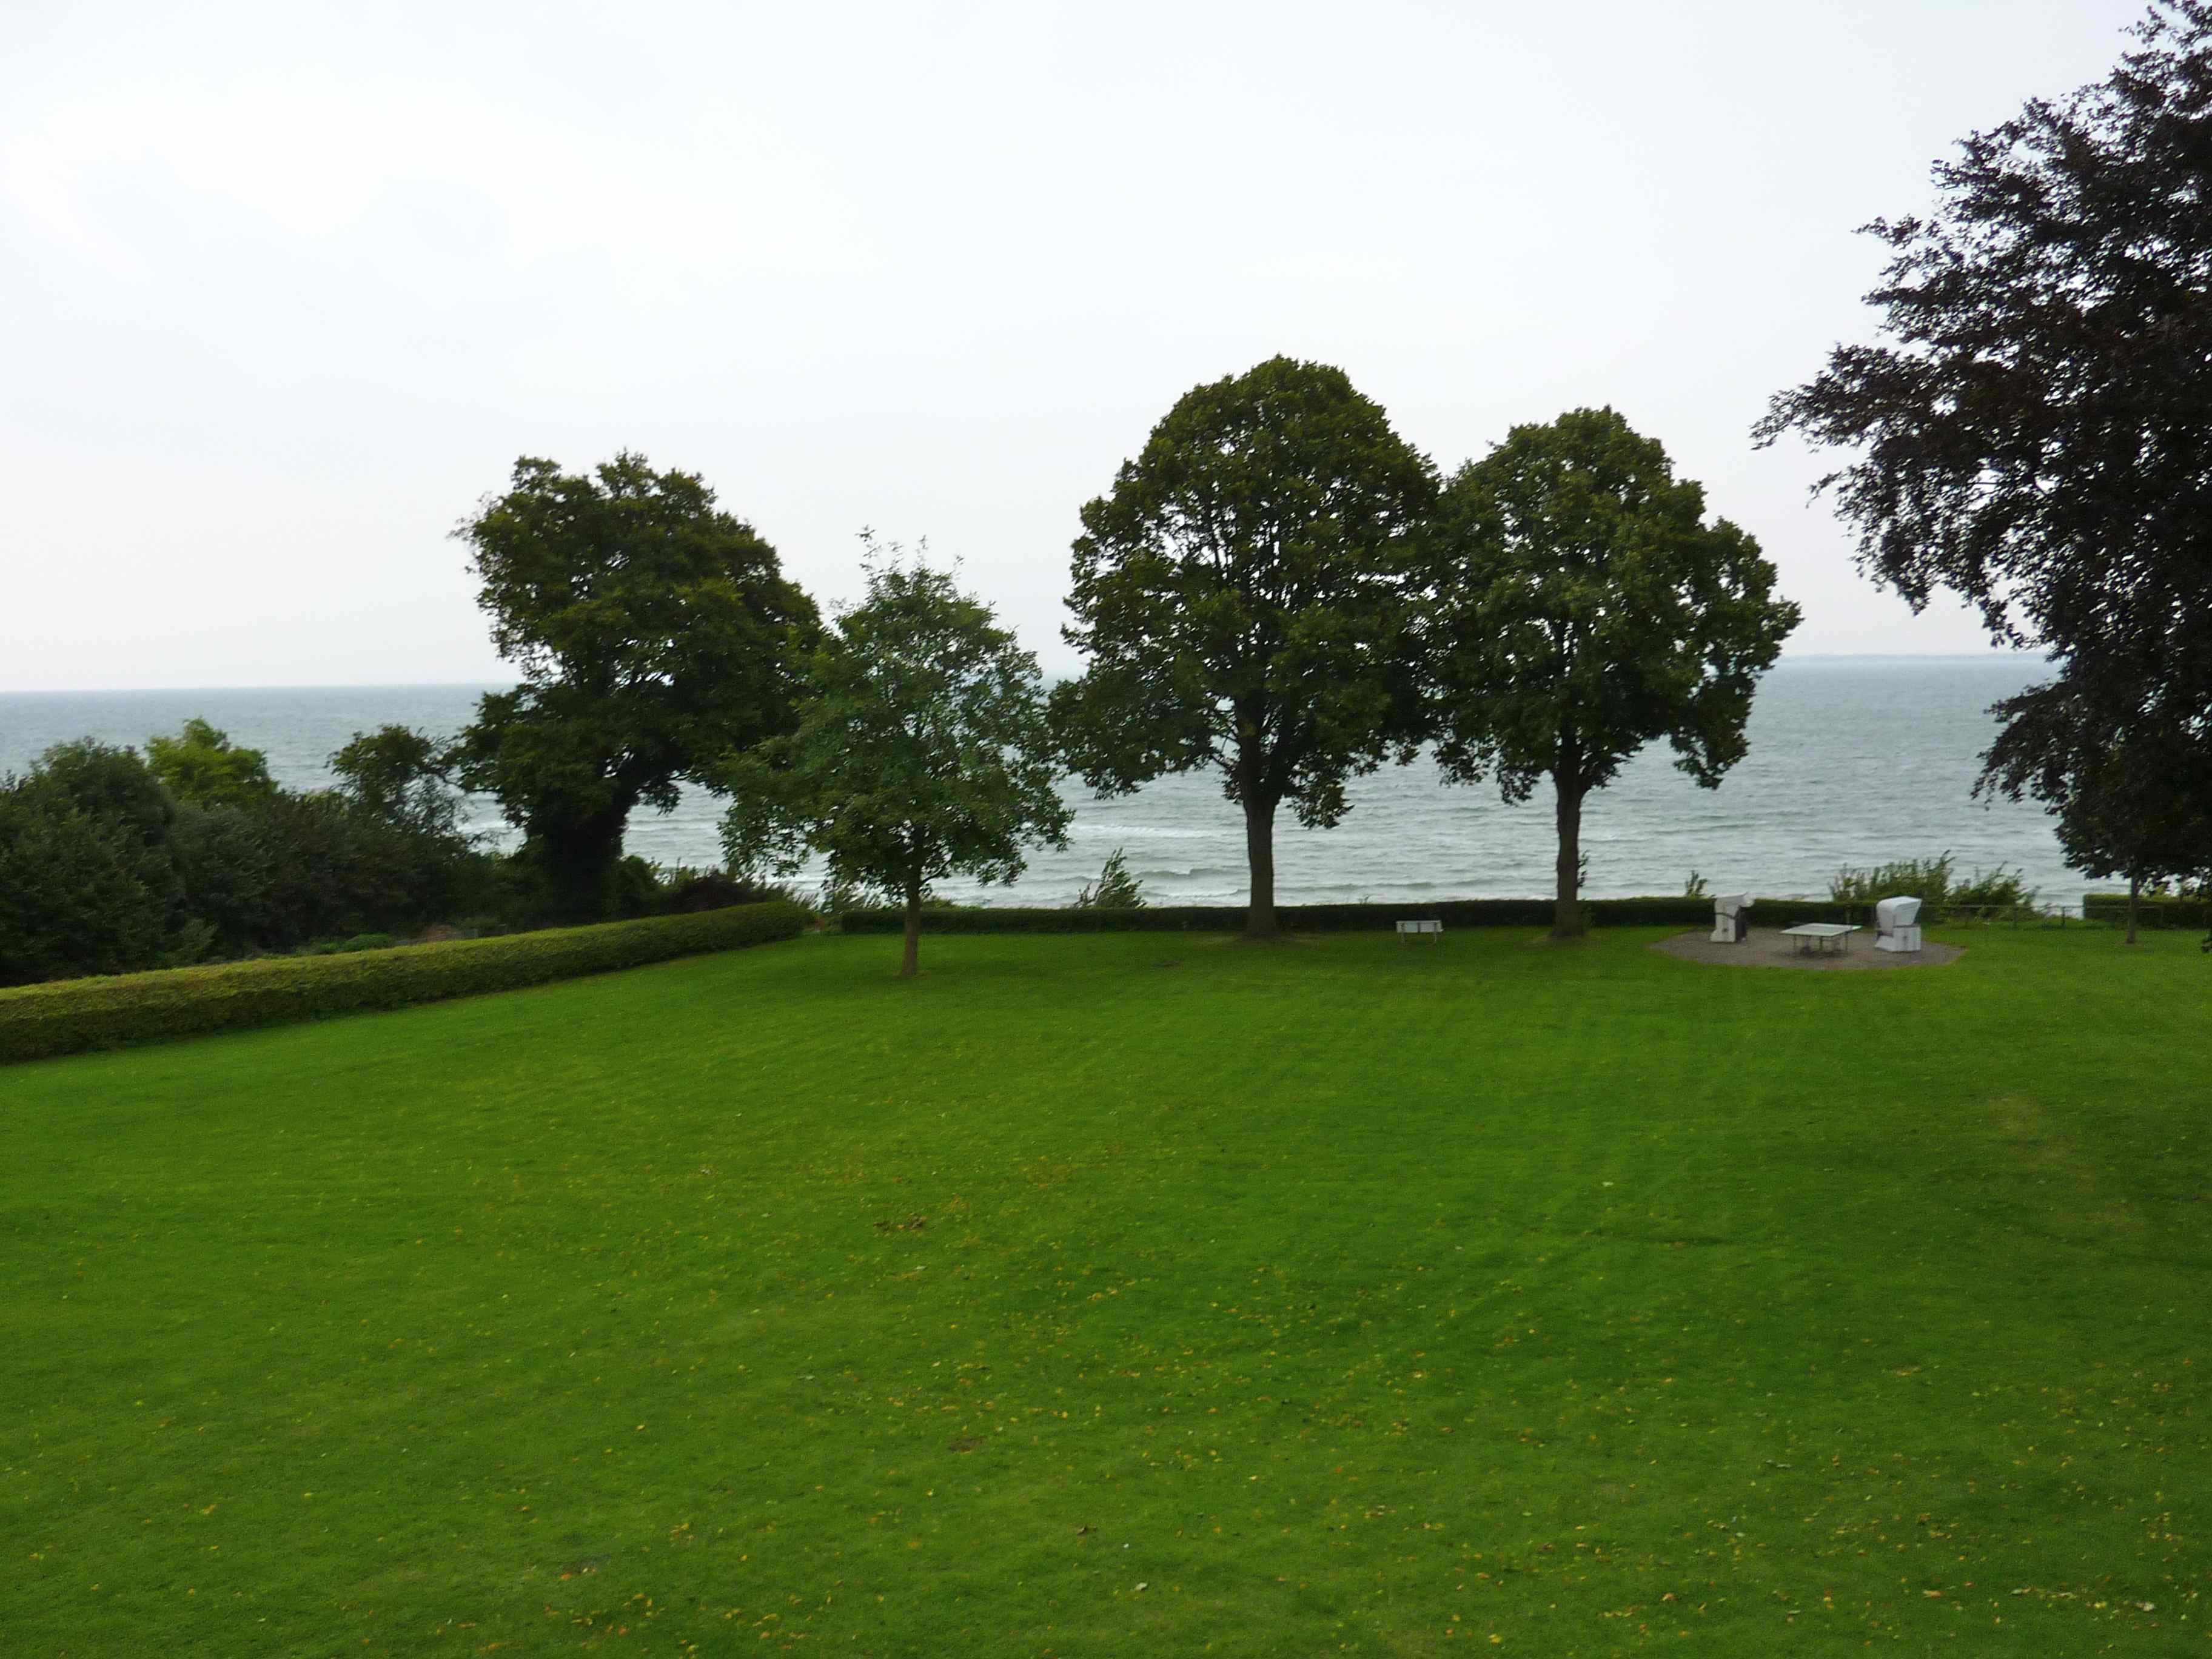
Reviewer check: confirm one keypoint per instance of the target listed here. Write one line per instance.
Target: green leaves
(921, 749)
(655, 634)
(1582, 608)
(201, 766)
(1241, 594)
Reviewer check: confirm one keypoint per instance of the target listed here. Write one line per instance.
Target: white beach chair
(1899, 921)
(1729, 924)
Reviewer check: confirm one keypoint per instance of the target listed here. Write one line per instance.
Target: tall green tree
(1581, 607)
(654, 633)
(921, 752)
(2031, 431)
(1243, 596)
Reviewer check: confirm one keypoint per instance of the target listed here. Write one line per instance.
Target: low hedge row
(2150, 911)
(37, 1021)
(1342, 918)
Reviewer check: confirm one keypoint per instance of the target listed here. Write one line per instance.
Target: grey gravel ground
(1765, 947)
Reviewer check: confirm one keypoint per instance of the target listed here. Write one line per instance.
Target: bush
(2152, 909)
(690, 891)
(226, 866)
(1672, 912)
(369, 942)
(1115, 888)
(37, 1020)
(1930, 881)
(81, 894)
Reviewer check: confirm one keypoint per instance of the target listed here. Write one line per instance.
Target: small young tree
(921, 750)
(1241, 596)
(1115, 888)
(1581, 609)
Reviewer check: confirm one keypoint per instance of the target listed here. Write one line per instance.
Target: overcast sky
(286, 289)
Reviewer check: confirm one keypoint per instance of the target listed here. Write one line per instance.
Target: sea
(1854, 761)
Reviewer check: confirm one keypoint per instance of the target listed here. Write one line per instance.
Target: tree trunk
(910, 961)
(1567, 909)
(1260, 853)
(578, 863)
(2135, 887)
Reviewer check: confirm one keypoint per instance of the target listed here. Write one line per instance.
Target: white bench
(1407, 929)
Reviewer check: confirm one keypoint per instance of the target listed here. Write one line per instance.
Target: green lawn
(1132, 1295)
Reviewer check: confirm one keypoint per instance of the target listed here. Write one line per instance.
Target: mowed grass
(1132, 1295)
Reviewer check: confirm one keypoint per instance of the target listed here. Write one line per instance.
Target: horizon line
(1788, 657)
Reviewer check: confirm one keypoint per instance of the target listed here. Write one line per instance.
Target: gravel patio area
(1765, 947)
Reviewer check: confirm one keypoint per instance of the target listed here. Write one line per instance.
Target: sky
(286, 289)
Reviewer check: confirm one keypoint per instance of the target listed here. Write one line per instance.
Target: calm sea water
(1853, 760)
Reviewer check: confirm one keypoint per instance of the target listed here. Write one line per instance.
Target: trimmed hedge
(2150, 911)
(37, 1021)
(1344, 918)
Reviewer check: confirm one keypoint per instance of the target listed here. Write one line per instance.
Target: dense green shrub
(1669, 912)
(1934, 883)
(81, 894)
(685, 892)
(106, 868)
(37, 1020)
(226, 864)
(111, 785)
(2152, 909)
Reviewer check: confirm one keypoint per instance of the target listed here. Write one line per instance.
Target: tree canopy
(403, 776)
(921, 750)
(201, 766)
(1241, 596)
(2031, 432)
(2114, 777)
(655, 634)
(1582, 608)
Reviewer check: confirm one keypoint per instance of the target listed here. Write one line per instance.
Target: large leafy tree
(2032, 431)
(1241, 596)
(655, 634)
(1581, 608)
(921, 752)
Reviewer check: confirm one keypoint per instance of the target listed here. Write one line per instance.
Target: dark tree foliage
(226, 859)
(2113, 775)
(1583, 608)
(922, 751)
(1243, 597)
(104, 871)
(80, 892)
(655, 635)
(112, 784)
(402, 776)
(2035, 432)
